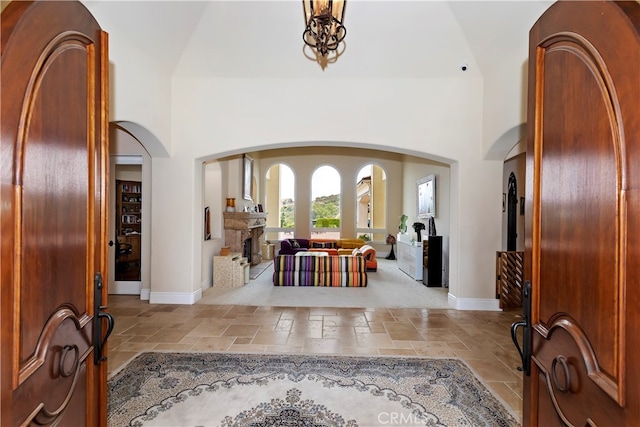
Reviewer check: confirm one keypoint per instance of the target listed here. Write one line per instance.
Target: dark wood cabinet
(432, 261)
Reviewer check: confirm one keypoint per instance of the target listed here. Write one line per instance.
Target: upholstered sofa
(293, 246)
(346, 246)
(309, 270)
(368, 252)
(331, 246)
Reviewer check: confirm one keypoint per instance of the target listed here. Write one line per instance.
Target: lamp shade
(323, 8)
(324, 29)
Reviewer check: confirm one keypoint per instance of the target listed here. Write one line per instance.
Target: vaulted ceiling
(263, 39)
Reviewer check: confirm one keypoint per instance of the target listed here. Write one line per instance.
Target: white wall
(140, 84)
(211, 197)
(225, 116)
(129, 173)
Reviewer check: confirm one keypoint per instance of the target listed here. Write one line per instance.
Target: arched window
(371, 206)
(280, 199)
(325, 203)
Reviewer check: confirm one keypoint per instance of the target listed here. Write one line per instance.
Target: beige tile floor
(481, 339)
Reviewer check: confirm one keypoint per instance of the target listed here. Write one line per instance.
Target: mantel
(242, 215)
(244, 220)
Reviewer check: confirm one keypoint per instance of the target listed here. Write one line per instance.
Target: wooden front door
(583, 211)
(53, 179)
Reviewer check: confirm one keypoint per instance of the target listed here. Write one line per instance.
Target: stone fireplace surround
(240, 226)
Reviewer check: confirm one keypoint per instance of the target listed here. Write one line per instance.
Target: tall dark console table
(432, 261)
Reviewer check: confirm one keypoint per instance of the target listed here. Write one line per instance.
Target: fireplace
(240, 227)
(246, 249)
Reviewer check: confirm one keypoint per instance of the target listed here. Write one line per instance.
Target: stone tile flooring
(482, 339)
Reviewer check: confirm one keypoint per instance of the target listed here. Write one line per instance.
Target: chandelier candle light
(324, 29)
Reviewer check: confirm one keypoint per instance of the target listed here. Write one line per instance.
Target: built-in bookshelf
(128, 208)
(128, 229)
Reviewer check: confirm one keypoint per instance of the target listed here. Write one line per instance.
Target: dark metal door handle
(110, 324)
(525, 349)
(99, 341)
(514, 338)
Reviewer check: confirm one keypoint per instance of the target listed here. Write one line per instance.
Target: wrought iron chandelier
(324, 28)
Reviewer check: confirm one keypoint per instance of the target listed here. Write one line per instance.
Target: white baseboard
(206, 284)
(145, 294)
(125, 288)
(480, 304)
(175, 297)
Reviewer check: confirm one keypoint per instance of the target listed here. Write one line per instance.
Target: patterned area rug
(231, 389)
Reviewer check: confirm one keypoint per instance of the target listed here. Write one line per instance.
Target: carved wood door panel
(54, 151)
(582, 237)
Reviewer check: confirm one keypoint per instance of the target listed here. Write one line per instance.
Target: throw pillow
(294, 243)
(323, 245)
(356, 252)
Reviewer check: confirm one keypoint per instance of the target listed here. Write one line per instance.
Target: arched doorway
(130, 160)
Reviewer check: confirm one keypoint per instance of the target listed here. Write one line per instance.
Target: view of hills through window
(325, 198)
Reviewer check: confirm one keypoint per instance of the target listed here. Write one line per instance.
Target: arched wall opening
(403, 167)
(229, 176)
(130, 143)
(512, 145)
